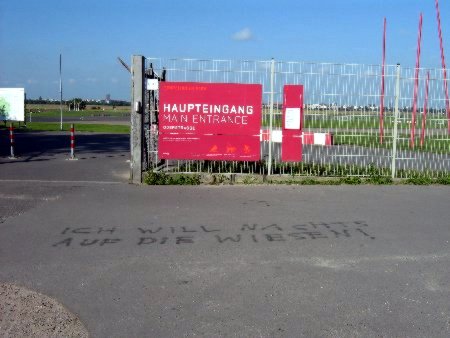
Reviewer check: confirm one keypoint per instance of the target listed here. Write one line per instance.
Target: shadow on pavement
(32, 145)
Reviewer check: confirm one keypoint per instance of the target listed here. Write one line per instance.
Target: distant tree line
(118, 103)
(78, 103)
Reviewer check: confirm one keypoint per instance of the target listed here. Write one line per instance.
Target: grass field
(436, 145)
(50, 126)
(356, 129)
(93, 107)
(351, 120)
(76, 114)
(357, 122)
(351, 128)
(53, 110)
(36, 111)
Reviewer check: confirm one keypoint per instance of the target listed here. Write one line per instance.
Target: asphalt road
(212, 261)
(44, 156)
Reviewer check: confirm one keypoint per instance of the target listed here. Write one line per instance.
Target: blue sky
(90, 34)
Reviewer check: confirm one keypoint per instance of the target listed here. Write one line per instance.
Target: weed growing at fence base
(376, 177)
(353, 180)
(419, 179)
(249, 179)
(294, 169)
(220, 179)
(438, 175)
(445, 180)
(161, 178)
(348, 173)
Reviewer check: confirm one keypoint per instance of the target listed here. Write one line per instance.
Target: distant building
(108, 98)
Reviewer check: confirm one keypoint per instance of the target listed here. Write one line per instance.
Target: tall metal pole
(60, 89)
(395, 133)
(382, 85)
(444, 68)
(272, 78)
(416, 86)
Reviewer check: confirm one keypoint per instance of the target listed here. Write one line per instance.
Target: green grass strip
(95, 128)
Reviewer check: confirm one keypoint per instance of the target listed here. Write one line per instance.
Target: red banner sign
(218, 121)
(291, 147)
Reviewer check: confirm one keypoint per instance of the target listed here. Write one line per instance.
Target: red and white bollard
(72, 143)
(11, 140)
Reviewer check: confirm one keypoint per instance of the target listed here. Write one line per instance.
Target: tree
(4, 109)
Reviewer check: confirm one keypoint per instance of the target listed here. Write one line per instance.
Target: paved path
(270, 261)
(44, 156)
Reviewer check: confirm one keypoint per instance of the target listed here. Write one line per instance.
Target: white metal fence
(342, 99)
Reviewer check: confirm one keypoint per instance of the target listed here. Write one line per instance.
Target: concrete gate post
(137, 117)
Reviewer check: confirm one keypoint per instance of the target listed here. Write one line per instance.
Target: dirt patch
(25, 313)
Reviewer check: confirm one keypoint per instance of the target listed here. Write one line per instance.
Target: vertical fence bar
(395, 132)
(272, 78)
(425, 107)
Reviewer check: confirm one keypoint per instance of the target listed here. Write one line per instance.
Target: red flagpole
(425, 107)
(382, 85)
(444, 69)
(416, 85)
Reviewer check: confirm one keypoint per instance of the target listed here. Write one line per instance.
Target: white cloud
(72, 81)
(31, 81)
(243, 35)
(114, 80)
(91, 79)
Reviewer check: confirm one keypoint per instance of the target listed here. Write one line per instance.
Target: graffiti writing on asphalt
(145, 236)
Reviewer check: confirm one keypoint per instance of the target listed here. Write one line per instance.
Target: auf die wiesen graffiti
(153, 235)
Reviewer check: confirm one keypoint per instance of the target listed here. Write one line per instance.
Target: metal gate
(342, 100)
